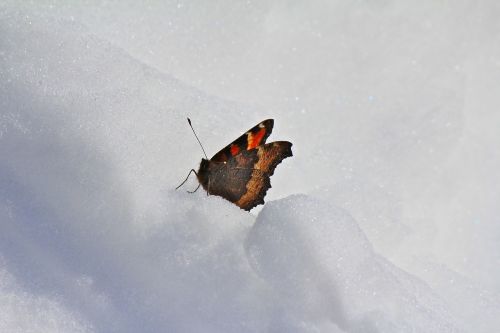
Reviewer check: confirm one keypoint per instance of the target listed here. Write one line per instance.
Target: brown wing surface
(245, 178)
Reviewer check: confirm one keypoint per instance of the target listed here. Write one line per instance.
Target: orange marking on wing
(235, 150)
(255, 139)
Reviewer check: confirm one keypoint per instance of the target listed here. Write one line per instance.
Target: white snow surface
(386, 219)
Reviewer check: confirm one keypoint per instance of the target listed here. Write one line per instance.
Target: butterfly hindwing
(268, 157)
(252, 138)
(228, 179)
(245, 178)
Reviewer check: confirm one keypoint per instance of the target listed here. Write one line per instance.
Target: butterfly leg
(185, 180)
(196, 189)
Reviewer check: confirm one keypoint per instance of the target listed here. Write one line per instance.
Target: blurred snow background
(385, 220)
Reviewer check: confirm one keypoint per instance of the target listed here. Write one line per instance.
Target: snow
(384, 220)
(319, 260)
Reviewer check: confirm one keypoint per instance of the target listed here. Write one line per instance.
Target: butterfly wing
(245, 178)
(252, 138)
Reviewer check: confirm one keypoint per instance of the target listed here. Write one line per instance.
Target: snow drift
(391, 110)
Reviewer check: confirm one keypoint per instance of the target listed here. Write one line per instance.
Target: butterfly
(241, 171)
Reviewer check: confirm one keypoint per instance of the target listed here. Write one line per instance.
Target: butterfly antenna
(189, 121)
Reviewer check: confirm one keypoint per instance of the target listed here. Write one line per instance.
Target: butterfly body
(241, 171)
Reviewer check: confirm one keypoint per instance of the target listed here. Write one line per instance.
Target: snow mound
(319, 261)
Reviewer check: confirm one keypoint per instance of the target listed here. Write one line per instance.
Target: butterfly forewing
(252, 138)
